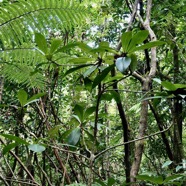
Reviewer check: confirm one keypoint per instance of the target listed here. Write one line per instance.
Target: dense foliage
(92, 92)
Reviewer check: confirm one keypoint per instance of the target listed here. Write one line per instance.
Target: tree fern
(18, 23)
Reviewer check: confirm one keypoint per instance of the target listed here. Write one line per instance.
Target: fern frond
(18, 21)
(24, 74)
(28, 56)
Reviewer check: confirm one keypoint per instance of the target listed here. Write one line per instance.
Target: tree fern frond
(28, 56)
(19, 20)
(23, 74)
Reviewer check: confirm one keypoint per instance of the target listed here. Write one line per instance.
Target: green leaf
(172, 178)
(151, 179)
(54, 131)
(100, 182)
(133, 63)
(9, 147)
(125, 40)
(41, 42)
(115, 96)
(111, 181)
(101, 76)
(36, 148)
(122, 63)
(81, 60)
(168, 85)
(74, 136)
(34, 98)
(89, 71)
(15, 138)
(22, 97)
(138, 38)
(89, 111)
(71, 70)
(166, 164)
(147, 46)
(79, 111)
(55, 45)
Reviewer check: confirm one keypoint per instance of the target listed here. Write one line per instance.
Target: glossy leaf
(122, 63)
(147, 46)
(34, 98)
(138, 38)
(74, 136)
(100, 77)
(79, 111)
(125, 40)
(111, 181)
(36, 148)
(168, 85)
(133, 63)
(89, 111)
(41, 42)
(22, 97)
(71, 70)
(55, 45)
(89, 71)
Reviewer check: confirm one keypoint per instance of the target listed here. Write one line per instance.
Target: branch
(132, 141)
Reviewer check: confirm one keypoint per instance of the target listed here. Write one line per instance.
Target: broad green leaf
(79, 111)
(77, 118)
(81, 60)
(34, 98)
(106, 97)
(111, 181)
(101, 76)
(166, 164)
(151, 179)
(36, 148)
(89, 71)
(138, 38)
(88, 84)
(125, 40)
(41, 42)
(122, 63)
(133, 63)
(54, 131)
(115, 96)
(15, 138)
(172, 178)
(22, 97)
(168, 85)
(9, 147)
(100, 182)
(71, 70)
(147, 46)
(74, 136)
(55, 45)
(89, 111)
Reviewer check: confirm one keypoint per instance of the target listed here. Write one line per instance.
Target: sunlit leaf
(41, 42)
(36, 148)
(125, 40)
(22, 97)
(122, 63)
